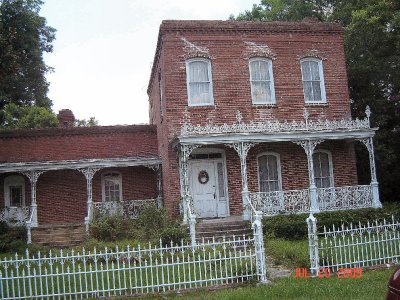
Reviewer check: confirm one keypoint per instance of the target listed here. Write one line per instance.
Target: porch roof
(80, 164)
(269, 137)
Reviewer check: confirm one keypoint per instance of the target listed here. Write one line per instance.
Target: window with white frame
(269, 172)
(262, 81)
(199, 82)
(323, 172)
(112, 186)
(313, 80)
(14, 191)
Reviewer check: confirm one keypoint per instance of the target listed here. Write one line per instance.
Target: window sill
(316, 104)
(267, 105)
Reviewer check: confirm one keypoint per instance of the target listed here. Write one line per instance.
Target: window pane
(199, 92)
(261, 92)
(221, 186)
(317, 90)
(314, 70)
(112, 187)
(308, 93)
(305, 69)
(16, 195)
(198, 71)
(322, 172)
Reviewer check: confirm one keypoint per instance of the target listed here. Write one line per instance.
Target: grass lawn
(372, 285)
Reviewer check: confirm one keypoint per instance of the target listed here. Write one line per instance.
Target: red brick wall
(78, 143)
(225, 42)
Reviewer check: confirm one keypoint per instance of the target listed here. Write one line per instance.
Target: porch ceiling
(230, 138)
(79, 164)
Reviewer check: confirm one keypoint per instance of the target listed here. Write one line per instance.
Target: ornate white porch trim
(33, 178)
(277, 126)
(89, 173)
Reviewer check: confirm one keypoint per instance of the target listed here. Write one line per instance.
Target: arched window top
(262, 81)
(111, 186)
(199, 82)
(14, 191)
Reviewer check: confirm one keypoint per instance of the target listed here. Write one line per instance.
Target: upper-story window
(313, 80)
(323, 173)
(269, 172)
(14, 191)
(262, 81)
(199, 82)
(112, 186)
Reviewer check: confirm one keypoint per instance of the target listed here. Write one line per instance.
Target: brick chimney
(66, 118)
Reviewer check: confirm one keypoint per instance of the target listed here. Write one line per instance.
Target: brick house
(240, 113)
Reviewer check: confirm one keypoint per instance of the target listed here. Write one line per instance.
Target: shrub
(294, 227)
(174, 234)
(12, 239)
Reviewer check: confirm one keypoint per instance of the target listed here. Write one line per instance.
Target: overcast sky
(104, 50)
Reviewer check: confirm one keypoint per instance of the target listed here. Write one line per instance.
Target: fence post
(192, 228)
(259, 247)
(313, 244)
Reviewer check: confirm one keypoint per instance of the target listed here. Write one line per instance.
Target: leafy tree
(86, 123)
(372, 48)
(28, 117)
(24, 37)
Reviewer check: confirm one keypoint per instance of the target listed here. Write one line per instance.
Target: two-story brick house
(242, 114)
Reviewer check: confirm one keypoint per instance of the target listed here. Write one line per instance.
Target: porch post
(183, 157)
(309, 146)
(157, 169)
(368, 142)
(33, 178)
(242, 149)
(89, 173)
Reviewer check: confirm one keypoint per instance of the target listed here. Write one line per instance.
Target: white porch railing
(129, 208)
(15, 216)
(297, 201)
(95, 274)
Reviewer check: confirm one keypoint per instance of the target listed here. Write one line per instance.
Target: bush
(294, 227)
(12, 239)
(152, 225)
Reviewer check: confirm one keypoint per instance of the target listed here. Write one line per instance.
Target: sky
(104, 50)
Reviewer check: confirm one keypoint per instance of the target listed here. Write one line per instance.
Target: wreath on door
(203, 177)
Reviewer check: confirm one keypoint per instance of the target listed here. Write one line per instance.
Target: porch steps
(59, 235)
(222, 227)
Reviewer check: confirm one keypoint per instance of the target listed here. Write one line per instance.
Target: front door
(208, 188)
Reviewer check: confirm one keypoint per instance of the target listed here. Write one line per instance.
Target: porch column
(183, 157)
(33, 178)
(368, 142)
(157, 169)
(242, 149)
(309, 146)
(89, 173)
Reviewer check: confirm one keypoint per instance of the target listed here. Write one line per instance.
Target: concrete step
(217, 229)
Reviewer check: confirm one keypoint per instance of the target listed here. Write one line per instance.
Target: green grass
(373, 285)
(293, 254)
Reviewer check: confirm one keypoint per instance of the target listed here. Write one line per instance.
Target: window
(313, 80)
(323, 174)
(199, 82)
(262, 81)
(112, 187)
(269, 173)
(14, 191)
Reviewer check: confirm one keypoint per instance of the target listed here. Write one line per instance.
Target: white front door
(208, 188)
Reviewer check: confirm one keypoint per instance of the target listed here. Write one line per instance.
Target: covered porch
(75, 191)
(320, 192)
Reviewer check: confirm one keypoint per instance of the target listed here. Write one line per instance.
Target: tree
(24, 37)
(28, 117)
(372, 49)
(86, 123)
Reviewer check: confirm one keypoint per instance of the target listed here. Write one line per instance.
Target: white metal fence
(138, 270)
(353, 246)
